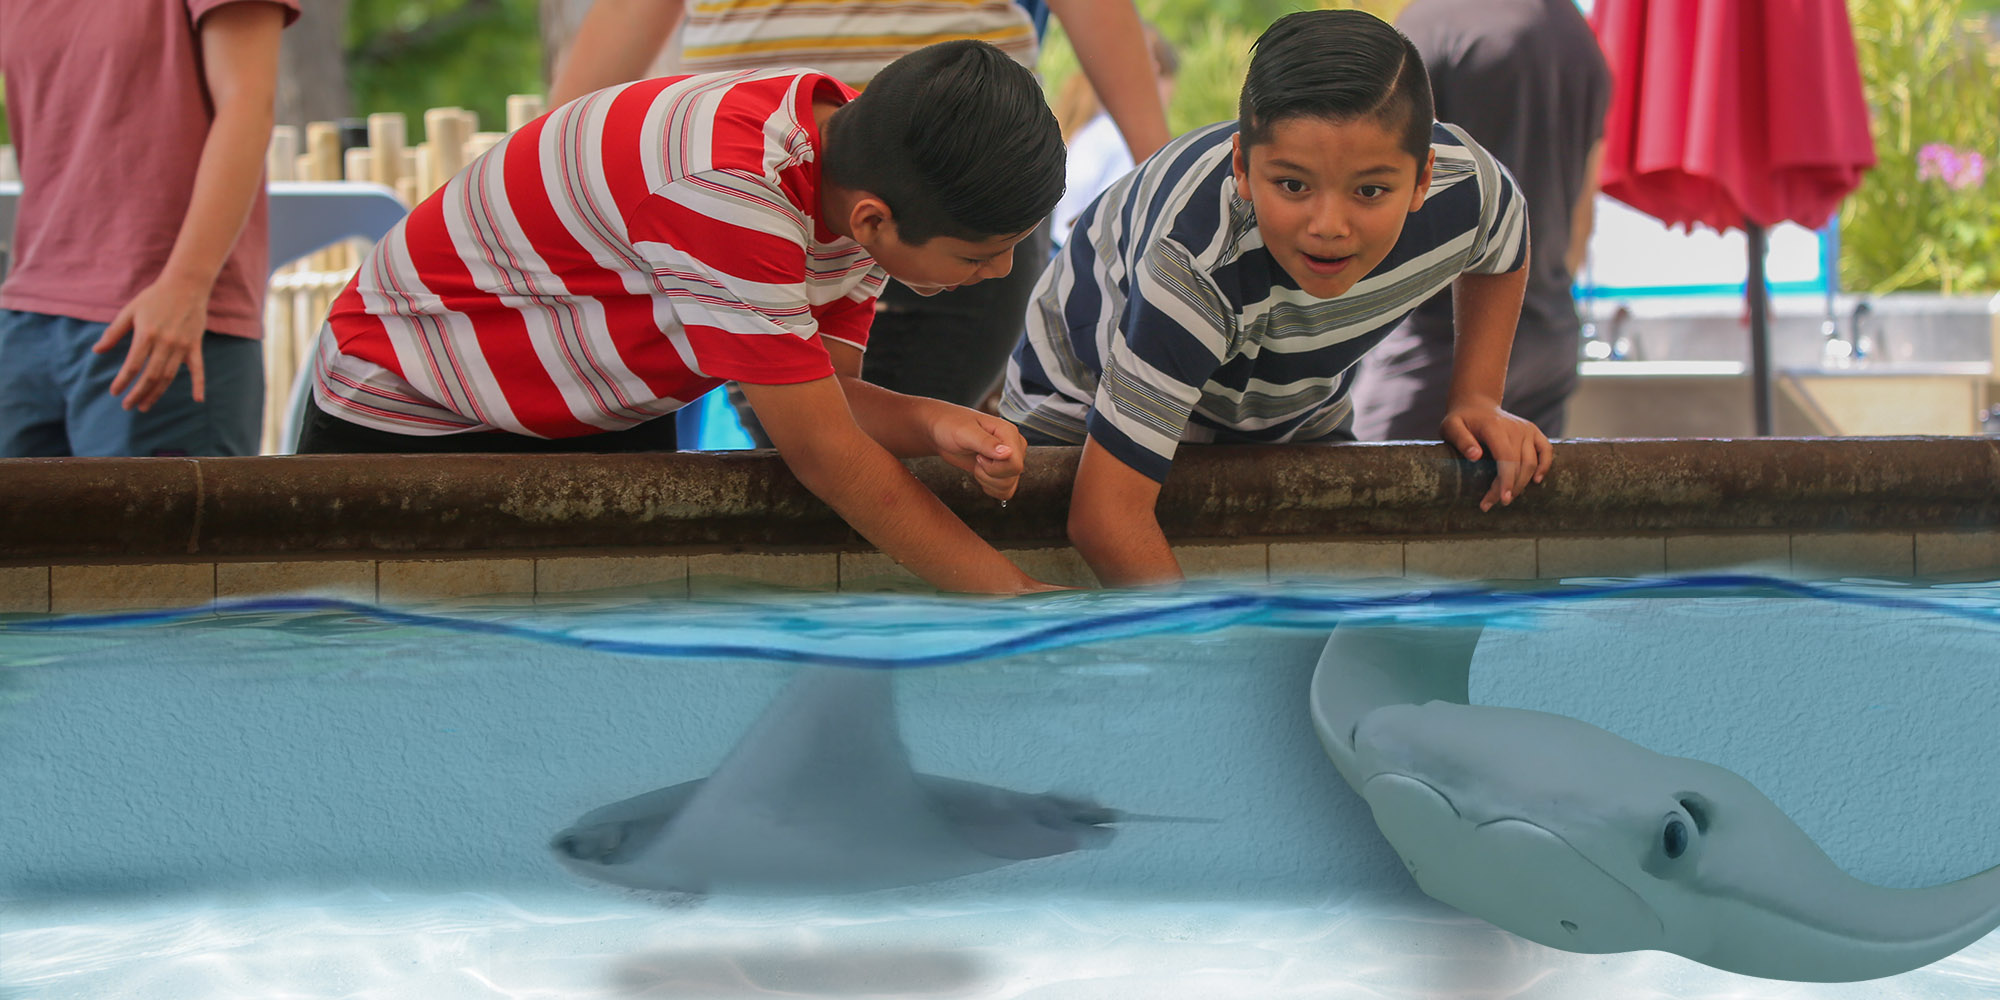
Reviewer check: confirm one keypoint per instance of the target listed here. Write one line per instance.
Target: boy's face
(942, 262)
(1331, 199)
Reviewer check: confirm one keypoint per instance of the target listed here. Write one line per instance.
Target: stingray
(819, 798)
(1576, 838)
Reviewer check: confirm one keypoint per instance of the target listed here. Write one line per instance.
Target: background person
(1526, 79)
(131, 315)
(1098, 154)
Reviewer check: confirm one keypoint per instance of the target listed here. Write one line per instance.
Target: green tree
(412, 55)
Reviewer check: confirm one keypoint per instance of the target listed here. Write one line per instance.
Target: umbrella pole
(1759, 295)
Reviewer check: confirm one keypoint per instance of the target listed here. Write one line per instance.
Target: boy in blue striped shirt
(1224, 291)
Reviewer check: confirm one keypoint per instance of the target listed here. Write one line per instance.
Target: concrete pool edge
(1611, 506)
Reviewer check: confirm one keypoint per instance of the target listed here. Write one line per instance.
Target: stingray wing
(817, 797)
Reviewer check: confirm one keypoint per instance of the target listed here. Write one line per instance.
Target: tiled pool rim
(88, 534)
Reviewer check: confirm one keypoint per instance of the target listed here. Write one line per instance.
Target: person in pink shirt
(131, 317)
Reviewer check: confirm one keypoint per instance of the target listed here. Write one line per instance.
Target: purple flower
(1973, 175)
(1957, 168)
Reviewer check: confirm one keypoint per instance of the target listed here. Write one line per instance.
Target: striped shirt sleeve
(728, 251)
(1502, 246)
(1176, 329)
(849, 318)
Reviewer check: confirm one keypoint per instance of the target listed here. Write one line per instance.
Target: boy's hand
(985, 445)
(1518, 447)
(832, 456)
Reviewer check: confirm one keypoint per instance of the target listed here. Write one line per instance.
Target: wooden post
(445, 131)
(322, 163)
(323, 151)
(478, 143)
(281, 157)
(524, 108)
(281, 163)
(388, 133)
(408, 187)
(421, 174)
(358, 164)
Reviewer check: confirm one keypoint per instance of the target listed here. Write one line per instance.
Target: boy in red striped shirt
(619, 257)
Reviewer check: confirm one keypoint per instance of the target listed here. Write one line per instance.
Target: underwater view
(1087, 794)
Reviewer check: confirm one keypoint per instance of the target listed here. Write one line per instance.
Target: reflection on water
(198, 805)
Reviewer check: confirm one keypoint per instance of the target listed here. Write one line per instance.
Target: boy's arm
(239, 64)
(615, 43)
(1114, 524)
(1147, 389)
(1111, 49)
(814, 432)
(1486, 309)
(989, 448)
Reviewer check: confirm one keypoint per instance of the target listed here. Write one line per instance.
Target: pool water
(317, 799)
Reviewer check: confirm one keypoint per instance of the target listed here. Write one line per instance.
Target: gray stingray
(1573, 837)
(819, 797)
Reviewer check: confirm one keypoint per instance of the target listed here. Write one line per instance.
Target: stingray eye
(1674, 837)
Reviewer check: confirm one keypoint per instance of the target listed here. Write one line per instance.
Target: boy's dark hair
(1338, 66)
(957, 140)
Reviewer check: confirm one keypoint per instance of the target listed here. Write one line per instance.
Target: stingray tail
(1120, 816)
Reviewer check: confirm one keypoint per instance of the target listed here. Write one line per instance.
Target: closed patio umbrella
(1734, 114)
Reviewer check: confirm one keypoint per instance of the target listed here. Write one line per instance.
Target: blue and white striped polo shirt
(1165, 320)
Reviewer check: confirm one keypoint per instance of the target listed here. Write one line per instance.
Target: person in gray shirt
(1526, 79)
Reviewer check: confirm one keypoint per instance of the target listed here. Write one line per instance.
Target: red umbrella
(1734, 114)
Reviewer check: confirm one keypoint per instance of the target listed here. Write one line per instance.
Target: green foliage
(1214, 44)
(1932, 76)
(412, 55)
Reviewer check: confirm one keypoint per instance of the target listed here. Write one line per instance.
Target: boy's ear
(1423, 188)
(1239, 165)
(869, 218)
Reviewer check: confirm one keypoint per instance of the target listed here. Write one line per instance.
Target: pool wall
(97, 534)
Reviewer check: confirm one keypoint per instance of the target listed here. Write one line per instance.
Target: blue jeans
(55, 396)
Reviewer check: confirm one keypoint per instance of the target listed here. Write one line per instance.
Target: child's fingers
(975, 438)
(1460, 436)
(1507, 484)
(1008, 436)
(998, 482)
(1524, 467)
(1531, 461)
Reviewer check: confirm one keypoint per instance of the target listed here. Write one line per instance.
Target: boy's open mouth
(1326, 265)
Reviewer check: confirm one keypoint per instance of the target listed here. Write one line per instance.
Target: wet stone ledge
(62, 510)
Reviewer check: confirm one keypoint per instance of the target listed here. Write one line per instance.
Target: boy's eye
(1372, 191)
(1291, 185)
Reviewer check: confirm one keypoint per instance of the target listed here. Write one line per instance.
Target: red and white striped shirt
(609, 262)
